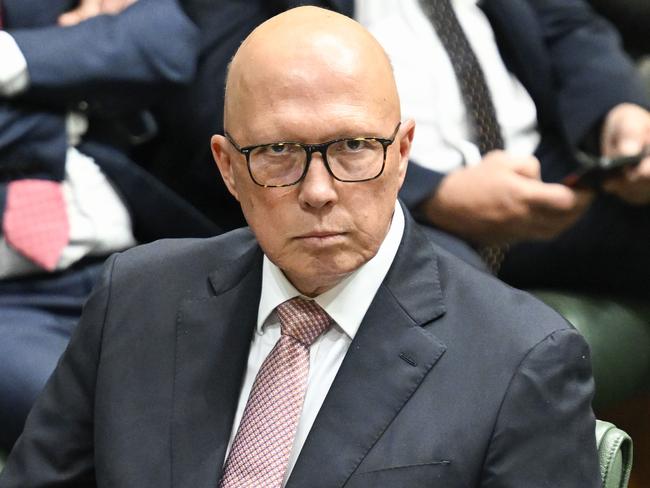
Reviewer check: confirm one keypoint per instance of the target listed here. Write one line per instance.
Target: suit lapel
(387, 360)
(212, 342)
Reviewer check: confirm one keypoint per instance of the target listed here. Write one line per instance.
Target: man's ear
(222, 156)
(406, 131)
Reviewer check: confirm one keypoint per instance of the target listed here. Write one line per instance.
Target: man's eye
(354, 144)
(278, 148)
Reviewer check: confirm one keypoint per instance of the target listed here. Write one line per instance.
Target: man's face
(319, 230)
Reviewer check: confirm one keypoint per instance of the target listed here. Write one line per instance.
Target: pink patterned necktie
(260, 452)
(35, 222)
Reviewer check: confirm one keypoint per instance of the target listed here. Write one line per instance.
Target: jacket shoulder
(169, 261)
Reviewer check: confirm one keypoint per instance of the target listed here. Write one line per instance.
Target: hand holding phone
(594, 170)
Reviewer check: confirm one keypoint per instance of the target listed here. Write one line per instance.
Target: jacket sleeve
(545, 431)
(152, 42)
(56, 447)
(420, 183)
(31, 142)
(591, 71)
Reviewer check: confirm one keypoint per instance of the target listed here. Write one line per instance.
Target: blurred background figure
(76, 81)
(631, 18)
(553, 82)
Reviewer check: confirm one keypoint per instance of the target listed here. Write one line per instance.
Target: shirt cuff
(14, 77)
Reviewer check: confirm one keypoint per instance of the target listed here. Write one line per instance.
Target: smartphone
(594, 170)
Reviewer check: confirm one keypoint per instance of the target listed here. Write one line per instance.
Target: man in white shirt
(560, 83)
(424, 372)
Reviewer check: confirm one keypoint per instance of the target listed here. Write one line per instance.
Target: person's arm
(626, 131)
(545, 431)
(420, 183)
(152, 43)
(592, 72)
(56, 447)
(600, 97)
(502, 200)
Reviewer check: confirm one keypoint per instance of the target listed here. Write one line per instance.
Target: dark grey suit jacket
(453, 380)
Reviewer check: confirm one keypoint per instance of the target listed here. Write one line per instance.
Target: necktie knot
(304, 320)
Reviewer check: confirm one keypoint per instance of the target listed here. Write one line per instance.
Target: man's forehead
(324, 63)
(334, 59)
(309, 109)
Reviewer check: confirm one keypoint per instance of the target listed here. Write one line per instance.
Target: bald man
(331, 343)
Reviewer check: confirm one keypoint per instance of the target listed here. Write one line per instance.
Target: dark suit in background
(496, 390)
(111, 68)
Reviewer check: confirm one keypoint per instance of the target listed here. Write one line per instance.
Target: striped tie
(474, 91)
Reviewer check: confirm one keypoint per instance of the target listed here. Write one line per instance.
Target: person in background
(506, 95)
(73, 104)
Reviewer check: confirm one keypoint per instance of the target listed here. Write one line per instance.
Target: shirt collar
(348, 302)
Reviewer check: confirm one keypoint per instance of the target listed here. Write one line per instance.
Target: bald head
(303, 58)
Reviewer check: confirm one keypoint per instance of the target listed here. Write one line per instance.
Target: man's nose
(317, 189)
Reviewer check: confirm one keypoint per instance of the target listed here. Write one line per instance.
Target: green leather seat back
(618, 333)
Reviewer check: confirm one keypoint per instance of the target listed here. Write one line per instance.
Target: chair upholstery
(618, 333)
(614, 455)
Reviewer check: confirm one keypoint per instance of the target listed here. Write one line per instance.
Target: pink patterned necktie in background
(35, 222)
(260, 452)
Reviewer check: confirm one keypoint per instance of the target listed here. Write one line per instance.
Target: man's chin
(314, 274)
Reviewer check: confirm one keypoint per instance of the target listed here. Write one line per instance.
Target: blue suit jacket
(453, 380)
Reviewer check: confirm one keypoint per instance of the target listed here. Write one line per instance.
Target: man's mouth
(321, 237)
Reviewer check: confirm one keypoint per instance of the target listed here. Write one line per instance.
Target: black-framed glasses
(349, 160)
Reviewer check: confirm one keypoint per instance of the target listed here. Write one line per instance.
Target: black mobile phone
(594, 169)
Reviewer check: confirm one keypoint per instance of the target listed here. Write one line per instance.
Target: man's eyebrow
(306, 142)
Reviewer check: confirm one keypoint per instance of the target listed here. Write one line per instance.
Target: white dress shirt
(429, 92)
(98, 218)
(346, 304)
(99, 222)
(14, 77)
